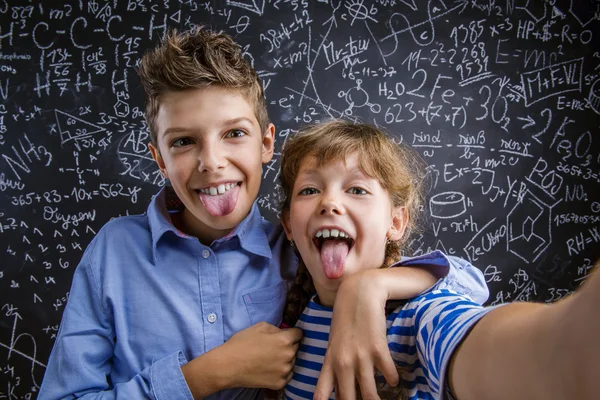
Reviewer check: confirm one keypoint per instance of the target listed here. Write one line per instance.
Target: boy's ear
(159, 161)
(399, 222)
(268, 143)
(285, 222)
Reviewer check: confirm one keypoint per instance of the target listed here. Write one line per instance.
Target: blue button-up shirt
(147, 299)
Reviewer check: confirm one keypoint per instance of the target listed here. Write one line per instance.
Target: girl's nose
(330, 205)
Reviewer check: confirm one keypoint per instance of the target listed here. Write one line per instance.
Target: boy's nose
(210, 159)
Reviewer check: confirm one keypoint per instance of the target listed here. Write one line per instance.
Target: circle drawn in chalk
(447, 205)
(594, 97)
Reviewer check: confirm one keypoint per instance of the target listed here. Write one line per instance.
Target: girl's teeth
(326, 233)
(212, 191)
(221, 189)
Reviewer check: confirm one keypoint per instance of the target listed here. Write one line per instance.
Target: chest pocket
(266, 305)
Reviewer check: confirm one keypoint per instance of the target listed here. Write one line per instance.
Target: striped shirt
(422, 334)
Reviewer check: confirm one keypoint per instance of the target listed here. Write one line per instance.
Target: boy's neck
(205, 234)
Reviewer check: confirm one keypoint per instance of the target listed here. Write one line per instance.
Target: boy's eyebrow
(238, 120)
(176, 129)
(229, 122)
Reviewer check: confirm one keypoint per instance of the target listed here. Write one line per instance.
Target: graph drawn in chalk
(582, 12)
(257, 7)
(13, 351)
(447, 205)
(594, 97)
(73, 128)
(529, 227)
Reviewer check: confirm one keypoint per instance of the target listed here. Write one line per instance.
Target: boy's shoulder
(126, 225)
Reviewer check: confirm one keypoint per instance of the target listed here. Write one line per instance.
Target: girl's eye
(308, 191)
(357, 190)
(180, 142)
(235, 133)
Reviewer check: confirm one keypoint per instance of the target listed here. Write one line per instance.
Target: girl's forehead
(350, 164)
(311, 161)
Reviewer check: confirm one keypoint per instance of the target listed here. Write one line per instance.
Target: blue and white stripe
(422, 336)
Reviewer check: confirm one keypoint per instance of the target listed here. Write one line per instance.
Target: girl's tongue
(221, 204)
(333, 258)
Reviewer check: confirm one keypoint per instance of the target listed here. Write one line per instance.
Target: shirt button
(212, 317)
(205, 253)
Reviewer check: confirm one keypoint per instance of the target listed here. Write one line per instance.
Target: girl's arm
(533, 351)
(357, 339)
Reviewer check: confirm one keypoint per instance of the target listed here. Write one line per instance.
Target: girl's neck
(326, 298)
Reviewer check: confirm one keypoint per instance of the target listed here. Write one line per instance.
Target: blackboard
(501, 98)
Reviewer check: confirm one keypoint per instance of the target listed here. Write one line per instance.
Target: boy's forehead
(203, 108)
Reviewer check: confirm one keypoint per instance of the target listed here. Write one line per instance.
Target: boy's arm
(357, 339)
(82, 356)
(533, 351)
(261, 356)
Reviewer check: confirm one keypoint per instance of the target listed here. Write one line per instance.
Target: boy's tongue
(221, 204)
(333, 257)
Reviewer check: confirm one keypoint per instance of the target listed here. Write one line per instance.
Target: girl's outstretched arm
(533, 351)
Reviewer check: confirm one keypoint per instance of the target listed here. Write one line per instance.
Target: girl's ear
(285, 222)
(399, 222)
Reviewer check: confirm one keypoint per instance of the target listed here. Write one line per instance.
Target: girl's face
(340, 219)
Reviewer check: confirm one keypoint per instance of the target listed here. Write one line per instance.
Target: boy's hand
(357, 341)
(263, 355)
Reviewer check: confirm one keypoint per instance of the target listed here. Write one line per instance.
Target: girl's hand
(357, 339)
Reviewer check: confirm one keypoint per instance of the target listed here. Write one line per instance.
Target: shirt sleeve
(455, 274)
(442, 320)
(82, 357)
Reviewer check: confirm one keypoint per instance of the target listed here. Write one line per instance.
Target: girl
(349, 204)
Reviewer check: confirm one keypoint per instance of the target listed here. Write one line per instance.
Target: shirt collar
(251, 232)
(158, 215)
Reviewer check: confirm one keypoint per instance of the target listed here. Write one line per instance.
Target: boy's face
(339, 197)
(211, 148)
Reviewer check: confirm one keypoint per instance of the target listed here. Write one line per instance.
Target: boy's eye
(235, 133)
(357, 190)
(180, 142)
(308, 191)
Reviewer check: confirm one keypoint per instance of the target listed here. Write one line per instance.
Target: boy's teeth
(325, 233)
(319, 234)
(220, 189)
(335, 233)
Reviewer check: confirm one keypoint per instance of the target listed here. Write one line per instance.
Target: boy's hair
(393, 165)
(198, 59)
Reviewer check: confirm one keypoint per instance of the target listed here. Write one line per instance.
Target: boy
(183, 301)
